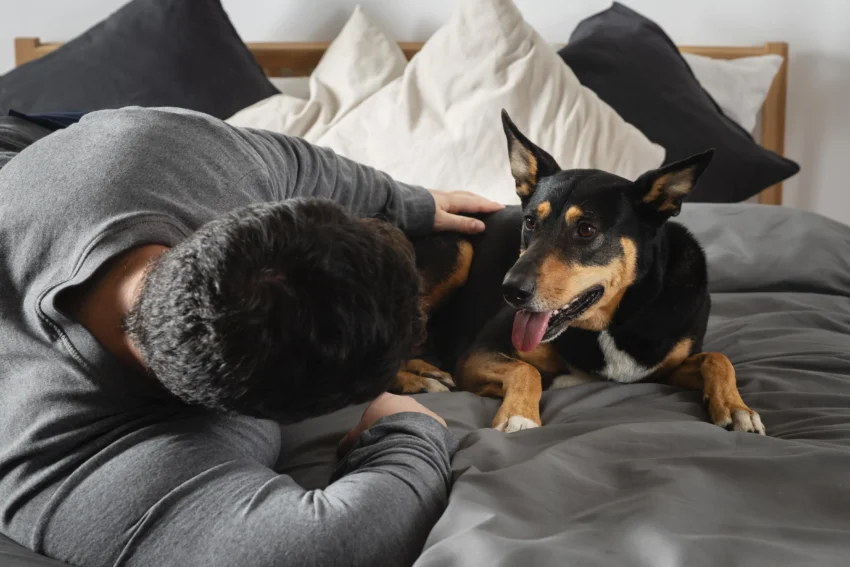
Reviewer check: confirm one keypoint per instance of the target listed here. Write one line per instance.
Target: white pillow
(739, 86)
(361, 60)
(298, 87)
(439, 124)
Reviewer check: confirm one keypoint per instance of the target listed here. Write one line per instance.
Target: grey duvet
(634, 475)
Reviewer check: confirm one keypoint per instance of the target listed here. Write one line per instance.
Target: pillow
(148, 53)
(299, 87)
(632, 65)
(439, 124)
(359, 62)
(16, 134)
(738, 86)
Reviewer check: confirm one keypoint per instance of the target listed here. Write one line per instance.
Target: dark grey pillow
(15, 135)
(182, 53)
(636, 68)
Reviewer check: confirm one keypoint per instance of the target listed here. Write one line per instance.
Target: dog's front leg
(714, 374)
(518, 383)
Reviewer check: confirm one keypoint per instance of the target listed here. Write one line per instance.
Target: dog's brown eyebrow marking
(574, 213)
(543, 210)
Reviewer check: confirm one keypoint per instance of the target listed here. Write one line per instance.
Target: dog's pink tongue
(529, 329)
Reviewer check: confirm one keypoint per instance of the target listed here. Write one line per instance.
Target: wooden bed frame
(299, 59)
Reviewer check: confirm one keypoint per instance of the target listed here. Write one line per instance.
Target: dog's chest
(592, 355)
(619, 365)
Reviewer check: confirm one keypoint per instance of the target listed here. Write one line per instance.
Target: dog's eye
(530, 222)
(585, 230)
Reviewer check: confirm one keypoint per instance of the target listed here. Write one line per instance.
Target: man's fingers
(458, 223)
(473, 203)
(466, 202)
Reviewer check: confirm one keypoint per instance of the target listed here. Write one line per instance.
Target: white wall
(818, 31)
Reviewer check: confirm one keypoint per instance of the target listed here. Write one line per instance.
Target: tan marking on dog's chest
(544, 358)
(675, 357)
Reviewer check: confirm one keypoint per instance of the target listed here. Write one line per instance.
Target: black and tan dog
(586, 281)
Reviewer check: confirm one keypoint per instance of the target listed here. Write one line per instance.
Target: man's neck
(103, 302)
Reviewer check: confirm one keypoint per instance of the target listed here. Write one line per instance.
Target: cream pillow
(298, 87)
(439, 124)
(360, 61)
(739, 86)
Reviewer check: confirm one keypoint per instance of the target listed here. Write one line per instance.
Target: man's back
(98, 463)
(70, 203)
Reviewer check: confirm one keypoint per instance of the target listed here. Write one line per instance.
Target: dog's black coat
(668, 302)
(587, 278)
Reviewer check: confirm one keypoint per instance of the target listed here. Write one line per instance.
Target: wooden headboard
(299, 59)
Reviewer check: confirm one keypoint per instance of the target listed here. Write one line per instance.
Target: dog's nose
(517, 289)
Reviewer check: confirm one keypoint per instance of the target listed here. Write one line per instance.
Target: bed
(299, 59)
(634, 474)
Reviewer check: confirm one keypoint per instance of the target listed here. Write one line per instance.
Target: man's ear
(529, 163)
(661, 191)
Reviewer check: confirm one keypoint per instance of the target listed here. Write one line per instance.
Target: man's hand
(382, 406)
(449, 203)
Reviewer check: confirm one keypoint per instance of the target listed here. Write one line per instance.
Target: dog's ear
(529, 163)
(660, 192)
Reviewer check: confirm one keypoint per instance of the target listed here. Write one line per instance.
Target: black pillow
(632, 65)
(182, 53)
(16, 134)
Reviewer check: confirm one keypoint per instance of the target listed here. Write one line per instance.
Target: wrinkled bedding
(633, 475)
(625, 475)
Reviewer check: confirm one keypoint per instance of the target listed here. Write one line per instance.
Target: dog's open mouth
(533, 327)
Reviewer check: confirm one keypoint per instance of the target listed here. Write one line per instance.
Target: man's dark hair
(280, 310)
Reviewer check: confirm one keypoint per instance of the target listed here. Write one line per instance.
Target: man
(166, 298)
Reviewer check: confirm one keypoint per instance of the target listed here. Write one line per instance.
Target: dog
(587, 280)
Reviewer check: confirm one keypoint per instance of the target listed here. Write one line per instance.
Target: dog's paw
(409, 383)
(737, 419)
(419, 377)
(421, 368)
(515, 423)
(444, 378)
(435, 385)
(747, 420)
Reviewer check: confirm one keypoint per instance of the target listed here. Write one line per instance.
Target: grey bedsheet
(625, 475)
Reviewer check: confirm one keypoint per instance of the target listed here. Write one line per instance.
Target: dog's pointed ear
(529, 163)
(660, 192)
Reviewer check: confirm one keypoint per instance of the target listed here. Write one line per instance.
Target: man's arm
(217, 507)
(297, 168)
